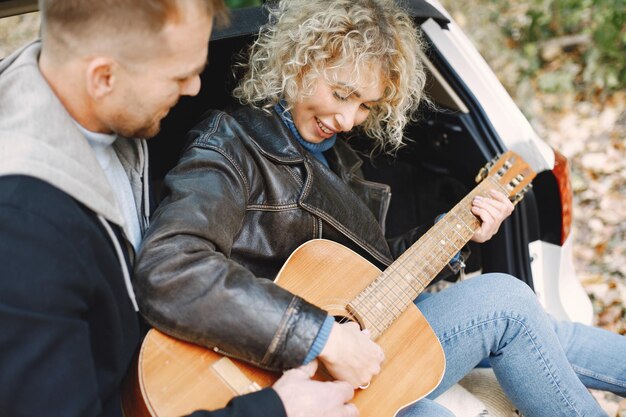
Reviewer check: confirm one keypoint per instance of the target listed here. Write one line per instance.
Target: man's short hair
(79, 19)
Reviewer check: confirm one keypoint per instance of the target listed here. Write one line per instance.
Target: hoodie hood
(39, 138)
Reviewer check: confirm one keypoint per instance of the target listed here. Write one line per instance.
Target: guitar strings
(409, 269)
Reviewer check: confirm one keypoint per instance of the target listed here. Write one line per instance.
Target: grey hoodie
(38, 138)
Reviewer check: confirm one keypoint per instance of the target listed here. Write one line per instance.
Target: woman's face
(338, 105)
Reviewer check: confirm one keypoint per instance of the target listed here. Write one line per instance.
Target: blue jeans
(544, 366)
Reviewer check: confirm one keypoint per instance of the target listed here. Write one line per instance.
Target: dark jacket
(244, 195)
(69, 330)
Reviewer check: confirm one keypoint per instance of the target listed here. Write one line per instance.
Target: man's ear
(101, 76)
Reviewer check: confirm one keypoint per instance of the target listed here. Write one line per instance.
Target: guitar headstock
(512, 173)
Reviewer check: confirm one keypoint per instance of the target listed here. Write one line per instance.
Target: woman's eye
(339, 96)
(366, 107)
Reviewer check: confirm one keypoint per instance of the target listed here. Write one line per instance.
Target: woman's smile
(324, 130)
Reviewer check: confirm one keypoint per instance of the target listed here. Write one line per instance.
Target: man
(74, 204)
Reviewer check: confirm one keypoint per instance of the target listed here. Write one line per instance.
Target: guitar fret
(386, 309)
(498, 186)
(413, 281)
(459, 225)
(372, 318)
(378, 304)
(454, 235)
(392, 301)
(446, 256)
(401, 292)
(383, 308)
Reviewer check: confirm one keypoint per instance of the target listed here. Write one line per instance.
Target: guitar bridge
(233, 377)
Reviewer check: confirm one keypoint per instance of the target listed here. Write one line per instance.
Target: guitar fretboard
(394, 290)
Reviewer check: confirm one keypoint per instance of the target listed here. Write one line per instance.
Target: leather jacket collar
(271, 136)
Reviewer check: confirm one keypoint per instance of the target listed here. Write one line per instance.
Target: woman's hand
(492, 212)
(350, 355)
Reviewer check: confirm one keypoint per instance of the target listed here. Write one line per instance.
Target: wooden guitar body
(176, 378)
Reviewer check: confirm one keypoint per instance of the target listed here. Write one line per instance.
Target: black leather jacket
(244, 195)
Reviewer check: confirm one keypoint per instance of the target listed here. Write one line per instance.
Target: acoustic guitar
(173, 378)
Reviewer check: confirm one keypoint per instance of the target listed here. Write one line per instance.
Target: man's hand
(492, 212)
(350, 355)
(304, 397)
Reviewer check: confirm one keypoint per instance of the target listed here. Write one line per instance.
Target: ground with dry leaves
(591, 134)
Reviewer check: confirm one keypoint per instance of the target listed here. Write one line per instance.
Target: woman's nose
(346, 118)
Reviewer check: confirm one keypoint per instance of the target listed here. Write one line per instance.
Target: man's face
(147, 89)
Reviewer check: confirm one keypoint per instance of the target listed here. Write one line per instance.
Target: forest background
(564, 64)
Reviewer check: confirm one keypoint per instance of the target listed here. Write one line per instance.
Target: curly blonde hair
(305, 38)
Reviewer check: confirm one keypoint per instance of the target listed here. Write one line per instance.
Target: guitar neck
(395, 289)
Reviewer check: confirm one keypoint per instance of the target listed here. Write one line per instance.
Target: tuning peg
(527, 187)
(516, 198)
(484, 171)
(482, 174)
